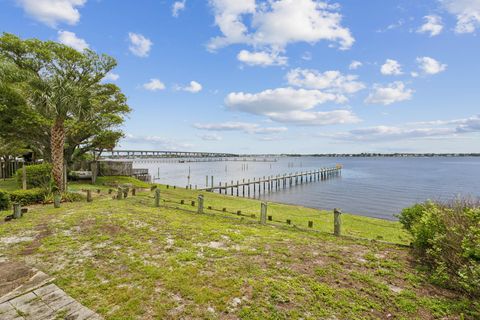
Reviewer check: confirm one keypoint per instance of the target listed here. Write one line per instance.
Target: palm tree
(60, 84)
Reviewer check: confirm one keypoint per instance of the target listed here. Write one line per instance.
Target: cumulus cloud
(329, 81)
(139, 45)
(154, 85)
(277, 23)
(430, 66)
(391, 93)
(53, 12)
(467, 13)
(70, 39)
(433, 25)
(247, 127)
(354, 65)
(391, 68)
(290, 105)
(177, 7)
(111, 77)
(193, 87)
(280, 100)
(439, 128)
(261, 58)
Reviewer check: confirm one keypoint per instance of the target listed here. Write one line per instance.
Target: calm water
(376, 187)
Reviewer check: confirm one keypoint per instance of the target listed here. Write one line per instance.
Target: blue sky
(280, 76)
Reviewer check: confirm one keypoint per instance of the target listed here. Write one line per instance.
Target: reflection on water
(377, 187)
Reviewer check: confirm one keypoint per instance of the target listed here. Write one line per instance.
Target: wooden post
(211, 182)
(89, 196)
(337, 222)
(206, 181)
(17, 211)
(57, 198)
(93, 166)
(263, 213)
(157, 197)
(119, 194)
(24, 176)
(200, 204)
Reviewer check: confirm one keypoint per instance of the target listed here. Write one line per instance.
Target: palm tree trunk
(57, 141)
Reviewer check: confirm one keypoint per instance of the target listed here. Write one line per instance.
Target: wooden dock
(263, 185)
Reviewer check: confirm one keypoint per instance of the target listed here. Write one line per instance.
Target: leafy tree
(59, 91)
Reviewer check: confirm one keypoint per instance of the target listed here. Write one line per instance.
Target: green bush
(4, 200)
(26, 197)
(446, 238)
(38, 176)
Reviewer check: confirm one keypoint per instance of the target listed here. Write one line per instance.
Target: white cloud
(193, 87)
(177, 7)
(430, 66)
(316, 118)
(70, 39)
(53, 12)
(139, 45)
(471, 124)
(433, 25)
(154, 85)
(289, 105)
(330, 81)
(280, 100)
(261, 58)
(379, 133)
(354, 65)
(210, 137)
(247, 127)
(408, 131)
(277, 23)
(393, 92)
(111, 77)
(391, 68)
(467, 13)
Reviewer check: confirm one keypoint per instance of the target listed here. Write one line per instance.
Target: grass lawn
(8, 184)
(127, 259)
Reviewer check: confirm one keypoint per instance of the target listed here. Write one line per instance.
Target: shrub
(446, 238)
(66, 197)
(38, 176)
(4, 200)
(26, 197)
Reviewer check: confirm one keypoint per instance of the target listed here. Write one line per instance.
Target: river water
(376, 187)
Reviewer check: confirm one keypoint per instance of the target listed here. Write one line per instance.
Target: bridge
(147, 154)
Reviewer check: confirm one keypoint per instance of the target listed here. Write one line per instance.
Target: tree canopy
(53, 100)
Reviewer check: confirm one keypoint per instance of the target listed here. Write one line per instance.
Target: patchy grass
(352, 225)
(127, 259)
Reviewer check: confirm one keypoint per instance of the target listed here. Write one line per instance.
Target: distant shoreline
(391, 155)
